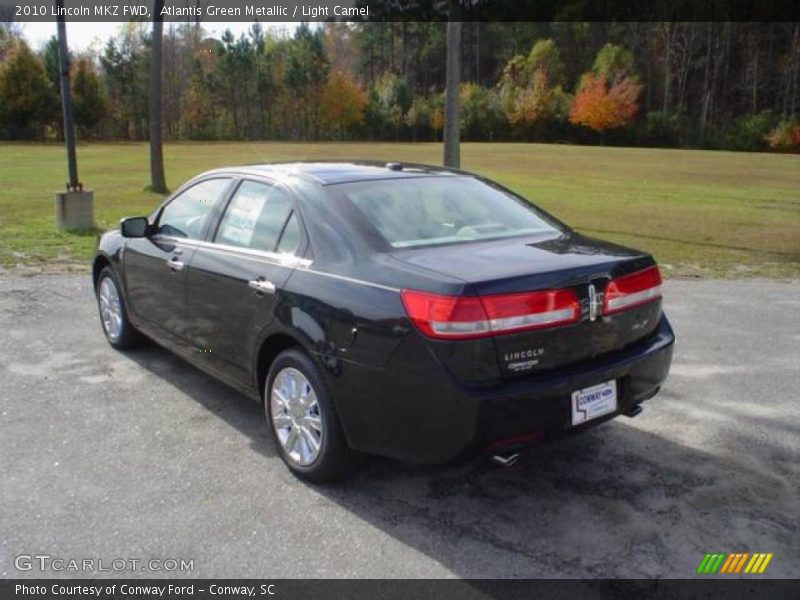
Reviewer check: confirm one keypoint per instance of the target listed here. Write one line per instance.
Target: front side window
(442, 210)
(187, 215)
(255, 216)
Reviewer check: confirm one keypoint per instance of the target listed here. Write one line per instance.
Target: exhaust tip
(506, 460)
(633, 411)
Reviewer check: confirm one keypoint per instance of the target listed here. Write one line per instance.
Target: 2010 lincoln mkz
(402, 310)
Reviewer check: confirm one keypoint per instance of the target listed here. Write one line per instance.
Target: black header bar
(404, 10)
(396, 589)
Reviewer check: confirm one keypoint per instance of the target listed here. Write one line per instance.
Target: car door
(235, 282)
(155, 267)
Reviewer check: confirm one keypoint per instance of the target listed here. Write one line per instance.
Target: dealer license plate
(592, 402)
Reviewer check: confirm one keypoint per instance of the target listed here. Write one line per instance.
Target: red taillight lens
(466, 317)
(632, 290)
(446, 316)
(531, 310)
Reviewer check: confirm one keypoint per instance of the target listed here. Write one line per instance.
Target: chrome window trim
(280, 260)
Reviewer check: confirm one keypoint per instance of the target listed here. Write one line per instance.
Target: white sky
(81, 36)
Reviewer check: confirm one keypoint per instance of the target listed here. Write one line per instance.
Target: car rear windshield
(442, 210)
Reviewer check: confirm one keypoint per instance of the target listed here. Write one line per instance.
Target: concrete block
(75, 210)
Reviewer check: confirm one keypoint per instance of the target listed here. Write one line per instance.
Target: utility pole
(452, 124)
(66, 99)
(157, 182)
(74, 208)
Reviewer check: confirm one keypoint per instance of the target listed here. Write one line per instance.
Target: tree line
(710, 85)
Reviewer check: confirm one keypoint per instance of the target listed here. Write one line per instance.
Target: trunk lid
(516, 265)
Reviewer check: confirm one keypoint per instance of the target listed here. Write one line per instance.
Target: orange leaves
(437, 119)
(785, 137)
(600, 106)
(343, 101)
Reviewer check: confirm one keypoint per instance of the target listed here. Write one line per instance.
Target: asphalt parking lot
(110, 455)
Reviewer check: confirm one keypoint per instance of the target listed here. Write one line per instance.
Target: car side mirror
(134, 227)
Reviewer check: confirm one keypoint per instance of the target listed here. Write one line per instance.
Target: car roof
(333, 172)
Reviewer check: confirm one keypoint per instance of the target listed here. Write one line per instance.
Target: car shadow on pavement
(237, 410)
(616, 501)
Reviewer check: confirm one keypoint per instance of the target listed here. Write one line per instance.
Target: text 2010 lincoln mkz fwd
(402, 310)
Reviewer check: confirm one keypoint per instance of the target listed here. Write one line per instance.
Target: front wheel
(303, 420)
(113, 313)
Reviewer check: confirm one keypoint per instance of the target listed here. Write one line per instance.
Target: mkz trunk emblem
(594, 302)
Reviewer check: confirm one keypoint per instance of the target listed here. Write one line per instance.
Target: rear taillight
(469, 317)
(632, 290)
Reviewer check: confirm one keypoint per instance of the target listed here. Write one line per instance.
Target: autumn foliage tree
(601, 106)
(607, 97)
(343, 102)
(437, 121)
(531, 87)
(785, 137)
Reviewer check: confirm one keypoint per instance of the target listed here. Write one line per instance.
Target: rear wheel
(114, 314)
(303, 420)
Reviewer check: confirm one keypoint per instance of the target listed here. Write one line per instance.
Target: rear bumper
(412, 410)
(544, 406)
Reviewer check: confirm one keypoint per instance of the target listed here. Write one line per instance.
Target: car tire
(114, 313)
(293, 421)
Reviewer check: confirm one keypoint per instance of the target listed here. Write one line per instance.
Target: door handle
(175, 264)
(262, 285)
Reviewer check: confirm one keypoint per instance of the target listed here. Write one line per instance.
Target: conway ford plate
(592, 402)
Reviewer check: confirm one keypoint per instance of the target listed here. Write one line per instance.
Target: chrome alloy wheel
(110, 308)
(296, 416)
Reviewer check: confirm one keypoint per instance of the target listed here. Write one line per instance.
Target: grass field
(699, 212)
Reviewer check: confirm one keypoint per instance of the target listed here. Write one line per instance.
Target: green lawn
(698, 212)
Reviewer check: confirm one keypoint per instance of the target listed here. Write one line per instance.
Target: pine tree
(27, 101)
(89, 103)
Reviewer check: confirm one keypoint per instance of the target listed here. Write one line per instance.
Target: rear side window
(442, 210)
(187, 215)
(255, 216)
(291, 236)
